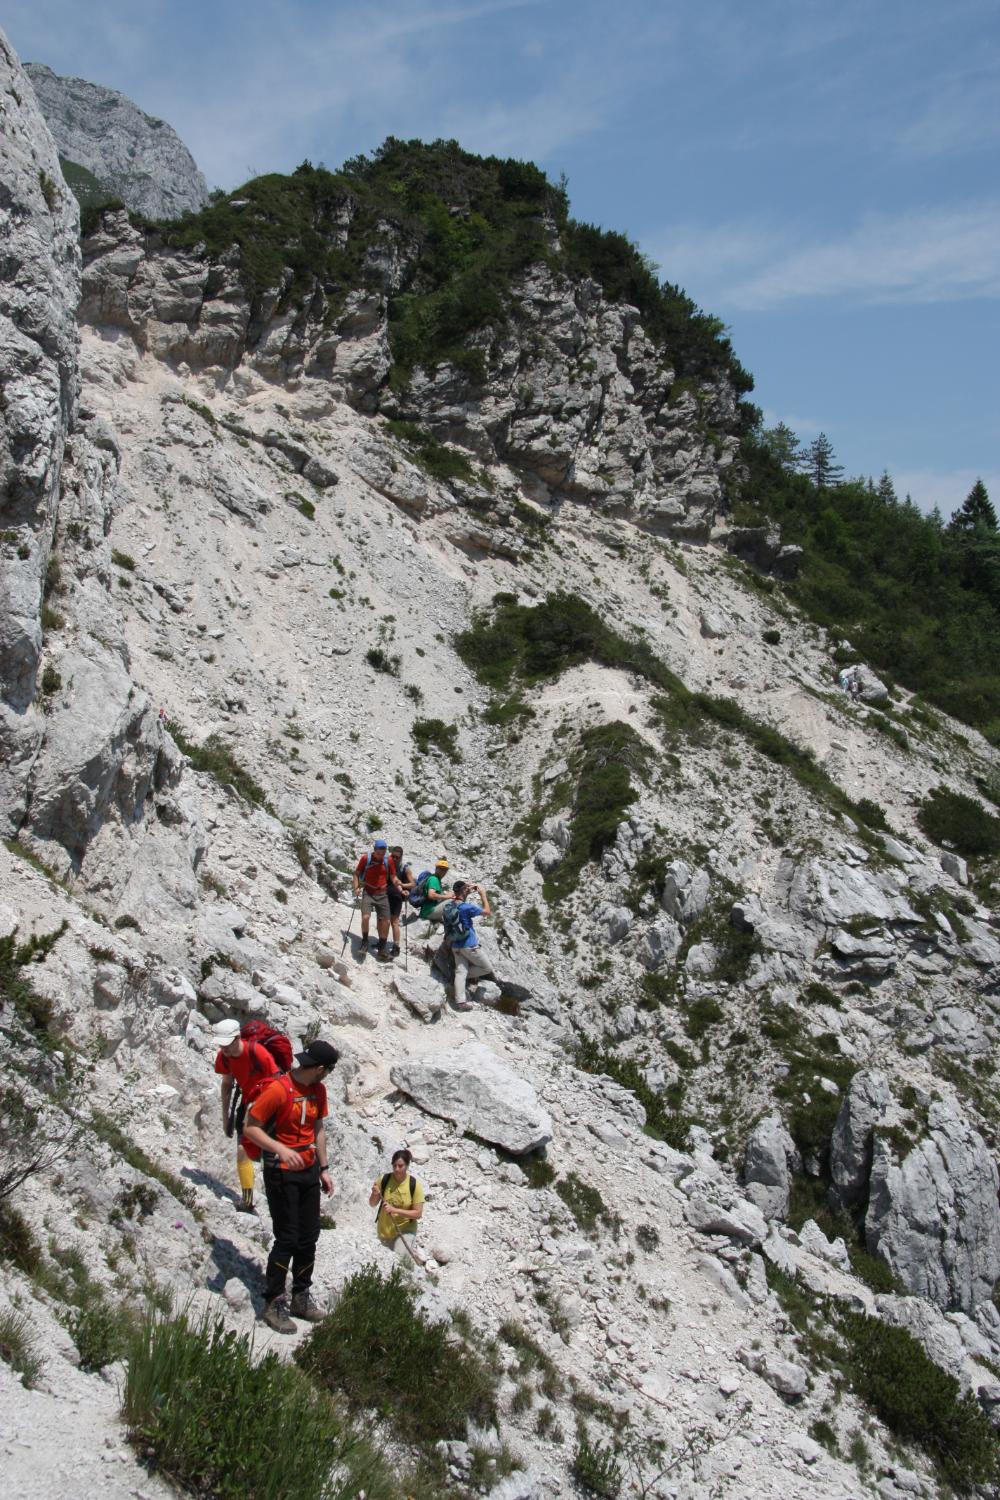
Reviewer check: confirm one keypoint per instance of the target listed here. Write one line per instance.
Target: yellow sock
(244, 1170)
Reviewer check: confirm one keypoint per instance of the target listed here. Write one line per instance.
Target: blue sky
(826, 178)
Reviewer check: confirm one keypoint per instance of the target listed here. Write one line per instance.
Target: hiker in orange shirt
(373, 875)
(247, 1066)
(285, 1122)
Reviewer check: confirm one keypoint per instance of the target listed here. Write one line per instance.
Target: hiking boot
(363, 949)
(276, 1316)
(303, 1306)
(246, 1208)
(395, 950)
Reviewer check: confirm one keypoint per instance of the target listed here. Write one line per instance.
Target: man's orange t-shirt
(375, 874)
(250, 1069)
(290, 1115)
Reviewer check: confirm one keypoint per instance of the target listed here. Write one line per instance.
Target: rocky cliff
(719, 1137)
(109, 147)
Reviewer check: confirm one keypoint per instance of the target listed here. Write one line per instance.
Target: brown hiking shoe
(276, 1316)
(304, 1307)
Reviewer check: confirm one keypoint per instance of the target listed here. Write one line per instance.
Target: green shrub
(18, 1346)
(435, 734)
(107, 1130)
(584, 1203)
(595, 1468)
(608, 756)
(215, 757)
(379, 1351)
(663, 1121)
(34, 1011)
(871, 814)
(98, 1330)
(433, 457)
(647, 1238)
(918, 1402)
(202, 1410)
(951, 818)
(771, 637)
(18, 1245)
(123, 560)
(700, 1015)
(382, 661)
(51, 680)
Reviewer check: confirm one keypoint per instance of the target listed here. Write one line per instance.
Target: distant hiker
(246, 1066)
(854, 685)
(396, 895)
(434, 895)
(459, 915)
(373, 875)
(401, 1200)
(285, 1122)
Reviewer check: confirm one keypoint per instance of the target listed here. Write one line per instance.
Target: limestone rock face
(472, 1087)
(770, 1155)
(135, 157)
(39, 226)
(867, 1100)
(933, 1215)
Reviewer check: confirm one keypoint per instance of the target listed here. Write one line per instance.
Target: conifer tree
(783, 443)
(820, 464)
(975, 513)
(886, 489)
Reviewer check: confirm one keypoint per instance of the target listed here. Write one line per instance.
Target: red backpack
(276, 1042)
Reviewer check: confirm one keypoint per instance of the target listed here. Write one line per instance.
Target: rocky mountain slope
(719, 1139)
(110, 148)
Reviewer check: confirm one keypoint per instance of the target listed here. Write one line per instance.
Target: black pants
(293, 1203)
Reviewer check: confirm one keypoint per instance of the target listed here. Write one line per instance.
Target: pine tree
(975, 513)
(886, 489)
(820, 464)
(782, 442)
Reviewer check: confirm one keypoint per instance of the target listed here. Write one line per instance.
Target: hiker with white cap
(286, 1123)
(434, 895)
(373, 875)
(245, 1065)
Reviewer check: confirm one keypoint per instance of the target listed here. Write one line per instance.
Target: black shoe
(395, 950)
(363, 950)
(245, 1208)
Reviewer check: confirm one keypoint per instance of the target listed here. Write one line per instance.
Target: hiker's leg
(381, 905)
(282, 1201)
(461, 973)
(305, 1249)
(366, 912)
(244, 1171)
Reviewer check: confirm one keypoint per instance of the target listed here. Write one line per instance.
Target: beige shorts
(376, 901)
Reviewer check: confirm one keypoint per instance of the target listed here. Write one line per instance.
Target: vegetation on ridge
(918, 599)
(468, 224)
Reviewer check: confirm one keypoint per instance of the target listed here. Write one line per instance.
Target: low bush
(609, 754)
(18, 1346)
(432, 456)
(382, 661)
(596, 1469)
(951, 818)
(215, 757)
(647, 1238)
(585, 1204)
(33, 1010)
(112, 1134)
(123, 560)
(203, 1411)
(871, 814)
(664, 1120)
(98, 1330)
(435, 734)
(379, 1351)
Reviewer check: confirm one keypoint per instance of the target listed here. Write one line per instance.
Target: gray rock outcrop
(472, 1087)
(771, 1156)
(933, 1215)
(134, 157)
(865, 1104)
(39, 289)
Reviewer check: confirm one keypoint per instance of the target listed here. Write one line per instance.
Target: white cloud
(931, 255)
(803, 427)
(944, 488)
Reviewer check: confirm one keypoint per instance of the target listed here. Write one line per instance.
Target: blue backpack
(456, 924)
(418, 895)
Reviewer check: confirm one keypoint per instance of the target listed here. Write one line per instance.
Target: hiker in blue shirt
(459, 915)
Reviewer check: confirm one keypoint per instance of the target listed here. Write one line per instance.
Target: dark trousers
(293, 1203)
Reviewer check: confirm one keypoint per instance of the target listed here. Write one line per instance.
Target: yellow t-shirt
(397, 1194)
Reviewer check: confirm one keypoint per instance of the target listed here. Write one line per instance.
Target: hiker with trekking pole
(400, 1201)
(373, 875)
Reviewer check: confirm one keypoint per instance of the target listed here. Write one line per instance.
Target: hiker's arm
(484, 901)
(376, 1196)
(260, 1137)
(324, 1171)
(405, 1213)
(226, 1093)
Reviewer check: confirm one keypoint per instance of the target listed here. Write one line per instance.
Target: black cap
(318, 1055)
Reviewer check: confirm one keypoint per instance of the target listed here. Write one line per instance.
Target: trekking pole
(406, 944)
(350, 923)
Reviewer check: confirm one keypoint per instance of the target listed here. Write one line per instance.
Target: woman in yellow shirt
(400, 1201)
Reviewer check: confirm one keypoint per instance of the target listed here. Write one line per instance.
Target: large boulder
(770, 1158)
(867, 1100)
(933, 1215)
(472, 1087)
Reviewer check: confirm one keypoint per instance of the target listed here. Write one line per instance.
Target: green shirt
(430, 907)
